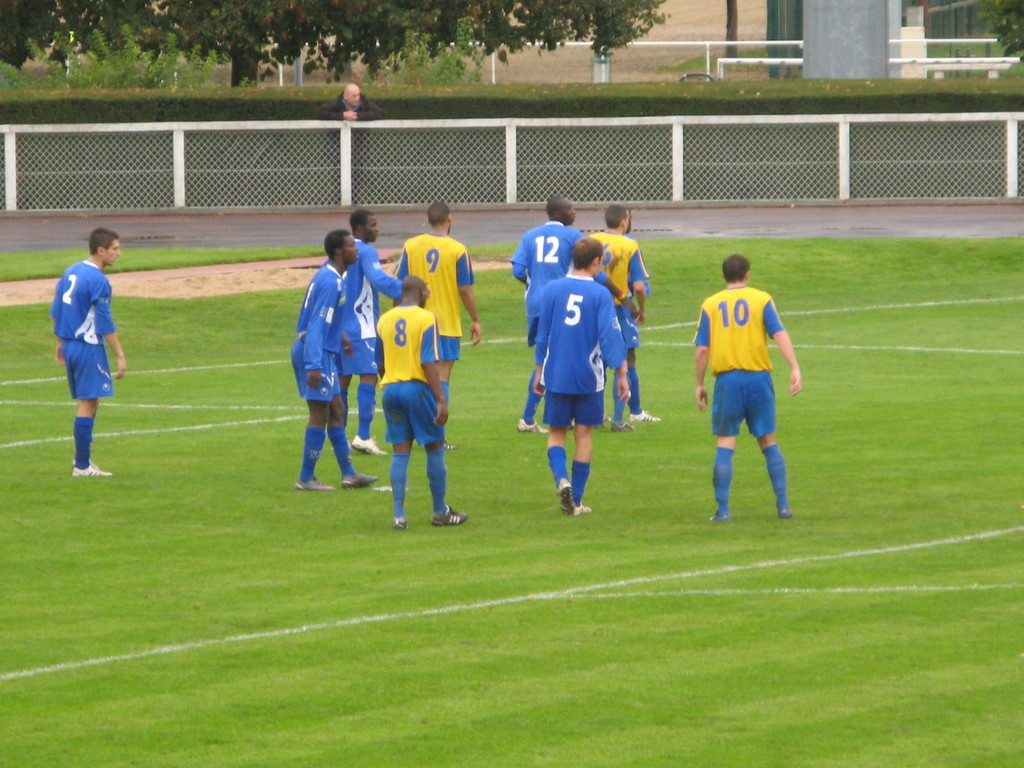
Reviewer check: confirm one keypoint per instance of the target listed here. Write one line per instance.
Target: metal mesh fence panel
(261, 169)
(927, 160)
(419, 165)
(1020, 160)
(595, 164)
(760, 162)
(95, 171)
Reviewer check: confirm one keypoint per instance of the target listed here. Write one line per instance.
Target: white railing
(315, 164)
(937, 64)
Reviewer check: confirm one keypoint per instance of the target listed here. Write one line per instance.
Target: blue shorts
(88, 370)
(564, 410)
(364, 359)
(630, 330)
(448, 347)
(743, 396)
(532, 324)
(409, 412)
(330, 386)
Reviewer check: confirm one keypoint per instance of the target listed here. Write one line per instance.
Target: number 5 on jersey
(572, 309)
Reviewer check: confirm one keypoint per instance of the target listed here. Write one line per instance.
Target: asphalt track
(35, 232)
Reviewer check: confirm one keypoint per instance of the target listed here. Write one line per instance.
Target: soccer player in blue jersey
(443, 263)
(732, 336)
(82, 322)
(314, 356)
(577, 338)
(415, 403)
(625, 267)
(544, 255)
(364, 281)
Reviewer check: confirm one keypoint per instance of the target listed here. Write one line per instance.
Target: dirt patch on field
(195, 282)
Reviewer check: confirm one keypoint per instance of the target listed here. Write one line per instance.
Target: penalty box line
(465, 607)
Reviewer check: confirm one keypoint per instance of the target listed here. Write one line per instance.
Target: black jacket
(334, 110)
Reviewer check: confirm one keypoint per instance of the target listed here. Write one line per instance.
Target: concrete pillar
(846, 39)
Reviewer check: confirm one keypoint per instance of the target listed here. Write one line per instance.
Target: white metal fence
(312, 164)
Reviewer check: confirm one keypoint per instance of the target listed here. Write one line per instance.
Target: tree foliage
(329, 33)
(1006, 19)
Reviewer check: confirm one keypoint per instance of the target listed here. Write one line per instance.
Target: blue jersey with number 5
(578, 336)
(735, 324)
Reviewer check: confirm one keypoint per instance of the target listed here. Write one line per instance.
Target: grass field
(195, 610)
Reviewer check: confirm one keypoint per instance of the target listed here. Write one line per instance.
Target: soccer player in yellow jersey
(415, 405)
(442, 262)
(732, 336)
(626, 270)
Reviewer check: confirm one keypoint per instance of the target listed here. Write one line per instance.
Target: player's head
(101, 238)
(561, 209)
(438, 213)
(616, 216)
(586, 251)
(414, 290)
(340, 246)
(364, 225)
(735, 268)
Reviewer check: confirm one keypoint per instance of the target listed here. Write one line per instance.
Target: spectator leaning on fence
(351, 105)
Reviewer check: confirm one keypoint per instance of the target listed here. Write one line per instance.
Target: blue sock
(437, 474)
(344, 405)
(83, 440)
(777, 472)
(722, 478)
(342, 452)
(557, 462)
(532, 401)
(580, 473)
(366, 396)
(634, 389)
(399, 478)
(311, 450)
(617, 409)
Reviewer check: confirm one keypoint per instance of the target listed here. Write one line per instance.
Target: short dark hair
(101, 238)
(557, 205)
(735, 267)
(585, 251)
(438, 213)
(335, 239)
(360, 218)
(615, 214)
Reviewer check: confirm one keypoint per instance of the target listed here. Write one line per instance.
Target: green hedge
(487, 101)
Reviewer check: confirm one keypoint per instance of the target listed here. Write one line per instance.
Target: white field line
(146, 373)
(153, 406)
(464, 607)
(864, 347)
(798, 591)
(161, 431)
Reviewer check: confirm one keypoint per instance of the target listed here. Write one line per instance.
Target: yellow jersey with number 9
(443, 263)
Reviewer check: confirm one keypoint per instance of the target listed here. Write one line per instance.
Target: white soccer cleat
(368, 446)
(91, 471)
(643, 416)
(523, 426)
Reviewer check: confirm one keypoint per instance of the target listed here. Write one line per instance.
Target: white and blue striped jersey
(318, 316)
(578, 336)
(81, 304)
(543, 256)
(363, 280)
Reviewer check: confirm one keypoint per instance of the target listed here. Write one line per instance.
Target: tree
(1006, 19)
(23, 23)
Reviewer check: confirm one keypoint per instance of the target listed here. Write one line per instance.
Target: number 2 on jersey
(66, 296)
